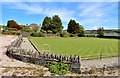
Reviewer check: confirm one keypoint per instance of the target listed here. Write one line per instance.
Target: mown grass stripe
(78, 46)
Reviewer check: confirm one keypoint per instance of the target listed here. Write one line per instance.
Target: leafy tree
(34, 27)
(56, 24)
(71, 25)
(82, 32)
(13, 24)
(46, 25)
(75, 28)
(100, 31)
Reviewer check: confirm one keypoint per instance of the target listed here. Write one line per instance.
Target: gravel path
(5, 61)
(109, 62)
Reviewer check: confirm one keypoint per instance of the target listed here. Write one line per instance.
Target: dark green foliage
(64, 34)
(58, 68)
(111, 37)
(46, 25)
(72, 35)
(75, 28)
(37, 34)
(90, 35)
(82, 32)
(100, 32)
(10, 23)
(54, 24)
(81, 35)
(13, 24)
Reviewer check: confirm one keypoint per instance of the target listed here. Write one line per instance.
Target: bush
(37, 34)
(12, 29)
(90, 35)
(64, 34)
(110, 37)
(27, 30)
(10, 33)
(58, 68)
(42, 31)
(72, 35)
(81, 35)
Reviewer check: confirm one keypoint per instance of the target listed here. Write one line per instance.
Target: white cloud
(94, 14)
(93, 10)
(29, 8)
(64, 14)
(98, 14)
(97, 10)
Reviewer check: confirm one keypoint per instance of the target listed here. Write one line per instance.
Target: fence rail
(99, 56)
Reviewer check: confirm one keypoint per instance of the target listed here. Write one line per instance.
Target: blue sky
(91, 15)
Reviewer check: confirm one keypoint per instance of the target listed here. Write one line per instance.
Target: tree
(82, 32)
(56, 24)
(46, 25)
(100, 31)
(73, 27)
(34, 27)
(13, 24)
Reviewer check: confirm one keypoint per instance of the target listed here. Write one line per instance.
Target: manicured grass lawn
(78, 46)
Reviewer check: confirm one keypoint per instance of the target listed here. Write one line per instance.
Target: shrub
(42, 31)
(81, 35)
(72, 35)
(37, 34)
(90, 35)
(110, 37)
(27, 30)
(12, 29)
(58, 68)
(11, 33)
(64, 34)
